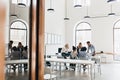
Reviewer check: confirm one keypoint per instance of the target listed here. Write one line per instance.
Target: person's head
(67, 46)
(80, 45)
(88, 43)
(83, 49)
(74, 48)
(10, 44)
(14, 48)
(19, 44)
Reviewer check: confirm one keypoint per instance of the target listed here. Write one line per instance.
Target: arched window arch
(82, 33)
(18, 32)
(116, 41)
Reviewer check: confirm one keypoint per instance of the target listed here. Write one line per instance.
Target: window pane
(83, 33)
(18, 36)
(18, 25)
(83, 36)
(117, 25)
(117, 40)
(83, 26)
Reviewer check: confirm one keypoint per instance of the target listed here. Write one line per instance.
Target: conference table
(75, 61)
(18, 62)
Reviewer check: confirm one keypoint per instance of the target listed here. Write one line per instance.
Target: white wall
(7, 22)
(21, 12)
(54, 23)
(102, 28)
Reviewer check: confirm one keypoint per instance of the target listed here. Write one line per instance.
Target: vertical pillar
(2, 40)
(37, 39)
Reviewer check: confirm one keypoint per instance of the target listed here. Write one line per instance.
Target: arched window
(116, 32)
(82, 33)
(18, 32)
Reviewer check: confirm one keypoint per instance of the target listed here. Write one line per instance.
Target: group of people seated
(17, 53)
(79, 52)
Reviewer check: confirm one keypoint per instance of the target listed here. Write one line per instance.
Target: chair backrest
(15, 55)
(59, 50)
(47, 70)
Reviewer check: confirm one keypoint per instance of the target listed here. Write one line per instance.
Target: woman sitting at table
(83, 56)
(65, 53)
(73, 55)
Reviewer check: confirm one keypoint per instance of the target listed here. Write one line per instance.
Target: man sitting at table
(91, 49)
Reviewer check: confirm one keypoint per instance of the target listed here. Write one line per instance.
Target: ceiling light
(109, 1)
(77, 3)
(50, 9)
(86, 16)
(66, 18)
(77, 6)
(13, 15)
(111, 11)
(110, 14)
(22, 3)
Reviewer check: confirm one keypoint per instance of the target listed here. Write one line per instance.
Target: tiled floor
(110, 71)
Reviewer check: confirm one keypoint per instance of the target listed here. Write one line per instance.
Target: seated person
(25, 53)
(91, 49)
(83, 56)
(73, 55)
(65, 53)
(15, 55)
(79, 47)
(25, 56)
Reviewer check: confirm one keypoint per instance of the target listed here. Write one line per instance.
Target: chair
(97, 60)
(49, 74)
(103, 58)
(15, 56)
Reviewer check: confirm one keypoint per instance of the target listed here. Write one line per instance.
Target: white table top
(23, 61)
(70, 61)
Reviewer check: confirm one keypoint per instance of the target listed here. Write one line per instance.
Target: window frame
(23, 22)
(114, 28)
(80, 30)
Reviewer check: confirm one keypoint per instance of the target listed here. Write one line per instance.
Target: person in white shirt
(65, 53)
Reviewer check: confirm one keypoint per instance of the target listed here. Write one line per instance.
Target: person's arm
(63, 50)
(93, 50)
(88, 49)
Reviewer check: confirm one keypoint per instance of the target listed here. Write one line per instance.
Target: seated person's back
(25, 53)
(15, 54)
(83, 54)
(73, 54)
